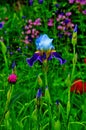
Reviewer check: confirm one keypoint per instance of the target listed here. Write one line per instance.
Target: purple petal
(50, 57)
(57, 56)
(33, 59)
(42, 57)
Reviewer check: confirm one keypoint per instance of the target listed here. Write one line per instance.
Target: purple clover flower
(45, 51)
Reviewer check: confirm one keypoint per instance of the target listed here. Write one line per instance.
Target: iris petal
(50, 57)
(57, 56)
(33, 59)
(42, 57)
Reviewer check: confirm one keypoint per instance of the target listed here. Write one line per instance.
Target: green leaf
(3, 47)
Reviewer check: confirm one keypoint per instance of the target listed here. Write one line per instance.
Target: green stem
(46, 82)
(7, 111)
(74, 62)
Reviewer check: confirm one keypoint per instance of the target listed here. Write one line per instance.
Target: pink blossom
(12, 78)
(84, 11)
(37, 22)
(68, 14)
(26, 41)
(32, 36)
(60, 27)
(30, 26)
(71, 1)
(50, 22)
(30, 21)
(26, 27)
(33, 30)
(28, 31)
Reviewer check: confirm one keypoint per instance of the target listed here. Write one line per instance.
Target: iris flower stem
(38, 119)
(69, 84)
(74, 62)
(45, 72)
(46, 82)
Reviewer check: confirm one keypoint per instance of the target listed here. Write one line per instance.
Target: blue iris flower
(45, 51)
(44, 43)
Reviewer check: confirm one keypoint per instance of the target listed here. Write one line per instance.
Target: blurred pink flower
(28, 32)
(60, 27)
(84, 11)
(68, 14)
(12, 78)
(50, 22)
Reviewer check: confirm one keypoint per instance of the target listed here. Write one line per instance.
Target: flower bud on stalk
(47, 95)
(40, 81)
(74, 37)
(38, 97)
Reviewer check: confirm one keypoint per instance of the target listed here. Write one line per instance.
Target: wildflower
(82, 2)
(74, 37)
(78, 87)
(57, 5)
(45, 51)
(85, 60)
(11, 53)
(84, 11)
(12, 78)
(40, 1)
(65, 25)
(30, 2)
(23, 17)
(50, 22)
(1, 25)
(68, 14)
(75, 29)
(71, 1)
(13, 65)
(30, 30)
(39, 93)
(37, 22)
(57, 102)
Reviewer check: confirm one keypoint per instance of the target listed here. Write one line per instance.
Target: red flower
(85, 60)
(12, 78)
(78, 87)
